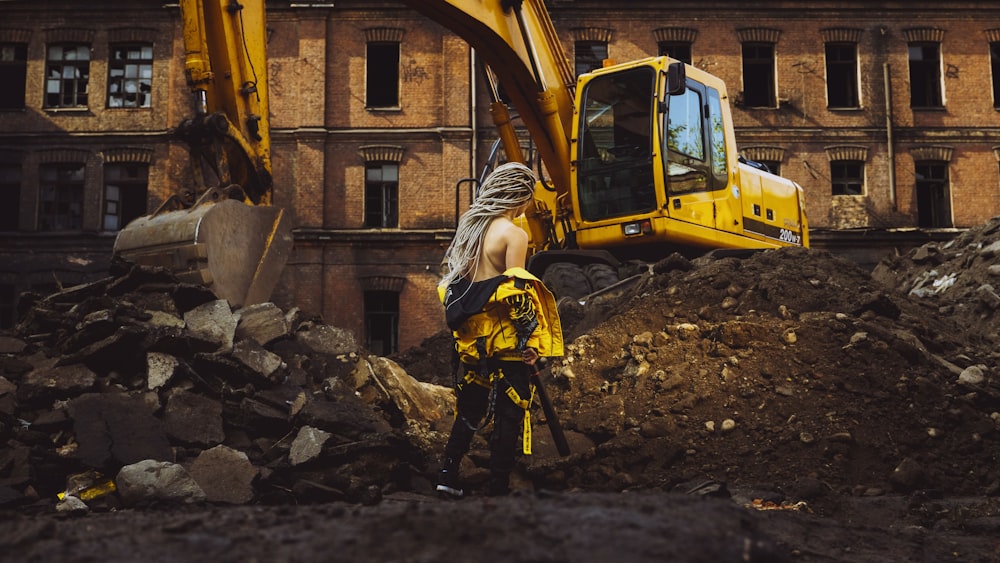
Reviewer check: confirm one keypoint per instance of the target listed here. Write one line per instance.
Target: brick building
(885, 112)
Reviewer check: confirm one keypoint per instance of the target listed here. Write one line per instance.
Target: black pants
(472, 404)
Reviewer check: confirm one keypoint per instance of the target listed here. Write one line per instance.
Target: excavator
(224, 233)
(640, 157)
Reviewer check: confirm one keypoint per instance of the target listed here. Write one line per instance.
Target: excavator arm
(518, 42)
(222, 232)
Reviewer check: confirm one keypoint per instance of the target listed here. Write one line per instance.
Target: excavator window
(616, 166)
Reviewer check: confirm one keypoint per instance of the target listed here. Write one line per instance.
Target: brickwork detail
(841, 35)
(924, 34)
(675, 34)
(847, 152)
(592, 34)
(127, 155)
(776, 154)
(940, 154)
(758, 35)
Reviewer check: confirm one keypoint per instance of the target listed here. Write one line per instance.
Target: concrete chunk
(48, 383)
(263, 323)
(117, 429)
(194, 419)
(147, 481)
(160, 368)
(326, 339)
(213, 321)
(258, 359)
(308, 444)
(225, 474)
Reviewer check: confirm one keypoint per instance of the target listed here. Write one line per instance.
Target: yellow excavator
(224, 233)
(640, 157)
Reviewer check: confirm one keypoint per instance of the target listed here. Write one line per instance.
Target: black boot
(499, 484)
(448, 485)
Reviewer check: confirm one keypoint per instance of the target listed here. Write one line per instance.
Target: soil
(787, 406)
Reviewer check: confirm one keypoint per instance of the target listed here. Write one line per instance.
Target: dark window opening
(680, 50)
(125, 192)
(589, 55)
(130, 76)
(61, 197)
(759, 75)
(995, 65)
(67, 72)
(7, 316)
(10, 192)
(842, 75)
(925, 75)
(13, 74)
(773, 166)
(382, 195)
(847, 177)
(933, 195)
(382, 86)
(382, 322)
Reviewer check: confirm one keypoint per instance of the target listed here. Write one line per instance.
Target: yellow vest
(494, 326)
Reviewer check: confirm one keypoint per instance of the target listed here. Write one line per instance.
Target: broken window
(381, 195)
(995, 65)
(842, 75)
(13, 73)
(589, 55)
(925, 75)
(130, 76)
(125, 189)
(382, 82)
(61, 196)
(773, 166)
(10, 194)
(382, 322)
(759, 76)
(680, 50)
(847, 177)
(67, 72)
(933, 194)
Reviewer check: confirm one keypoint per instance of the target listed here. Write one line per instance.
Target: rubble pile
(173, 396)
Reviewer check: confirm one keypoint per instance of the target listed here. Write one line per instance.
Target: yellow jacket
(488, 313)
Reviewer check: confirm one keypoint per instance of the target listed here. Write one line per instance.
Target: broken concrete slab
(46, 384)
(194, 419)
(213, 321)
(263, 363)
(325, 339)
(263, 323)
(11, 345)
(418, 401)
(149, 481)
(226, 475)
(160, 368)
(117, 429)
(308, 445)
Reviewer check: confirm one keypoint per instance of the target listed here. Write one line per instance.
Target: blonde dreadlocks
(508, 187)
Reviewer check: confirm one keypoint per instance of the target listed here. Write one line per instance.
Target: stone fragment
(259, 360)
(972, 376)
(160, 368)
(325, 339)
(194, 419)
(11, 345)
(117, 429)
(417, 400)
(213, 321)
(61, 382)
(149, 481)
(226, 475)
(307, 446)
(263, 323)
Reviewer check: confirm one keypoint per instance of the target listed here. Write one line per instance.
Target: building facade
(887, 113)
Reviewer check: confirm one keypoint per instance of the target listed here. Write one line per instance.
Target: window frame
(752, 67)
(838, 70)
(68, 193)
(80, 100)
(124, 80)
(841, 184)
(13, 71)
(994, 47)
(671, 48)
(586, 55)
(133, 192)
(930, 213)
(381, 203)
(11, 184)
(381, 308)
(931, 76)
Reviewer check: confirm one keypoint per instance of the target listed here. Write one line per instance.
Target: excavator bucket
(235, 249)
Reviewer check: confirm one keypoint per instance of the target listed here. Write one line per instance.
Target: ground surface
(788, 406)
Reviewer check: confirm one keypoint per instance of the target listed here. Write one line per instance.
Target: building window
(382, 322)
(759, 76)
(67, 72)
(10, 193)
(381, 195)
(13, 73)
(680, 50)
(125, 187)
(773, 166)
(995, 65)
(590, 55)
(933, 195)
(7, 294)
(130, 76)
(383, 75)
(61, 205)
(847, 177)
(842, 75)
(925, 75)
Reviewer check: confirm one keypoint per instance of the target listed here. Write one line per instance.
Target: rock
(308, 445)
(263, 323)
(908, 476)
(225, 475)
(160, 368)
(972, 376)
(263, 363)
(45, 384)
(149, 481)
(11, 345)
(116, 429)
(326, 339)
(194, 419)
(418, 401)
(72, 505)
(213, 321)
(728, 425)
